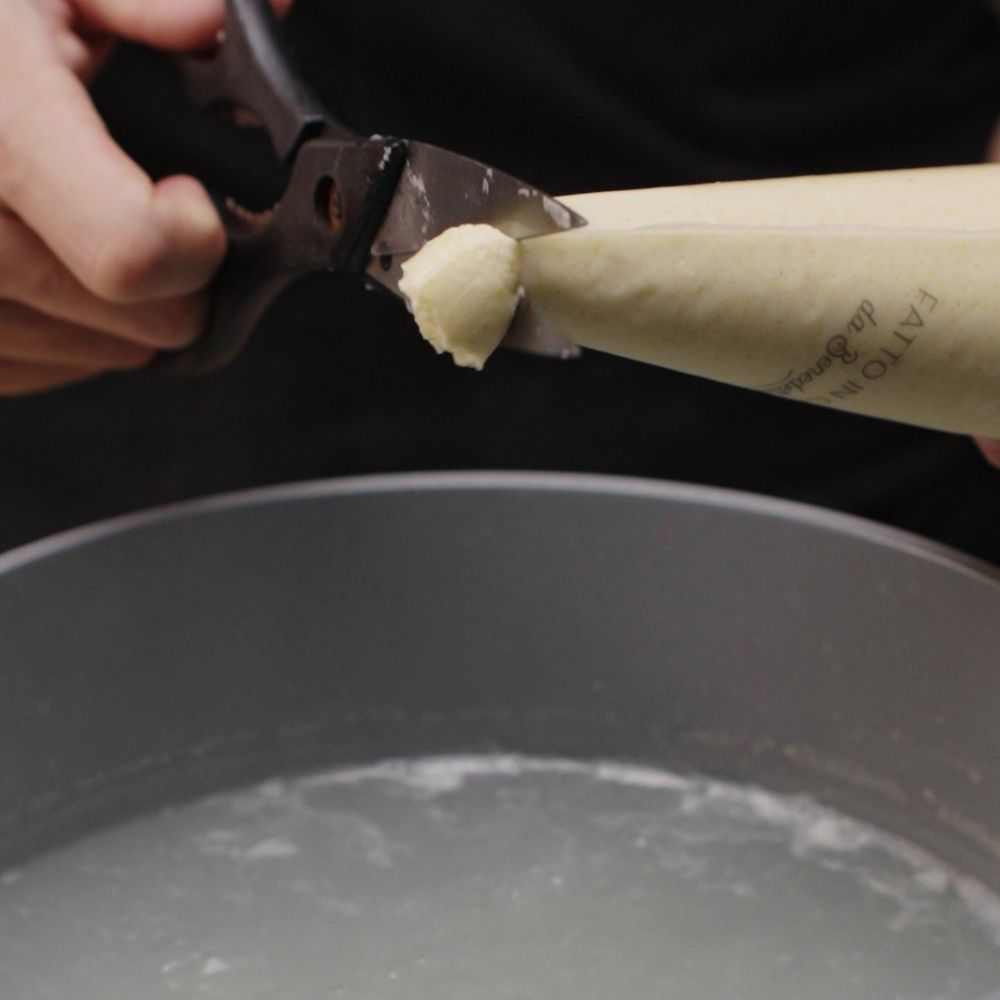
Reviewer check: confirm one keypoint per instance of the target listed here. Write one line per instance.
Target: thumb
(165, 24)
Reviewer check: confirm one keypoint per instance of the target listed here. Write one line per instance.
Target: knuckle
(42, 279)
(125, 266)
(24, 264)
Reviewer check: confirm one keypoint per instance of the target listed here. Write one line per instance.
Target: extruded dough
(463, 289)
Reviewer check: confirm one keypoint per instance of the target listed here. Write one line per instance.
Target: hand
(99, 267)
(989, 447)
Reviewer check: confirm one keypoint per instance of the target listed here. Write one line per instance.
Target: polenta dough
(463, 289)
(877, 293)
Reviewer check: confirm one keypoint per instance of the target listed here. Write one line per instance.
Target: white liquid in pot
(496, 878)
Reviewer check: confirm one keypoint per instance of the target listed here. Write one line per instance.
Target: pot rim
(862, 529)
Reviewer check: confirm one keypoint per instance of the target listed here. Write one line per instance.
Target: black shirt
(575, 97)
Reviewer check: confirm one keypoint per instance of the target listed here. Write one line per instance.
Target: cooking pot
(159, 657)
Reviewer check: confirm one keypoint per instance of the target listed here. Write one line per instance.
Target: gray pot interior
(153, 660)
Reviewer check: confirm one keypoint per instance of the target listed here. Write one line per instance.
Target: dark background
(574, 97)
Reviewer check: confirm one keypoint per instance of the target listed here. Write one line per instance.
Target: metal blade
(532, 333)
(440, 189)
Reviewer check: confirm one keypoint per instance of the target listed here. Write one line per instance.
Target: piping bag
(875, 293)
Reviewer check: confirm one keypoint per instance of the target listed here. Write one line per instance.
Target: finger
(33, 276)
(179, 24)
(26, 335)
(123, 237)
(990, 449)
(18, 378)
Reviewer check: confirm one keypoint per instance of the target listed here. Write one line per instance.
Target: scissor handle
(339, 184)
(326, 221)
(251, 69)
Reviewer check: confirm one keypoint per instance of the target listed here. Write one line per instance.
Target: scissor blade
(533, 334)
(440, 189)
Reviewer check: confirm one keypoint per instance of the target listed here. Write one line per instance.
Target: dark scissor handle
(339, 187)
(251, 69)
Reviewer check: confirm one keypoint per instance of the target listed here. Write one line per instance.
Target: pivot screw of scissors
(329, 204)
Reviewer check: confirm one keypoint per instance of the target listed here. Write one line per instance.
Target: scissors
(352, 204)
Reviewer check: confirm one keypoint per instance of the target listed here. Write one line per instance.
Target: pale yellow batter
(463, 289)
